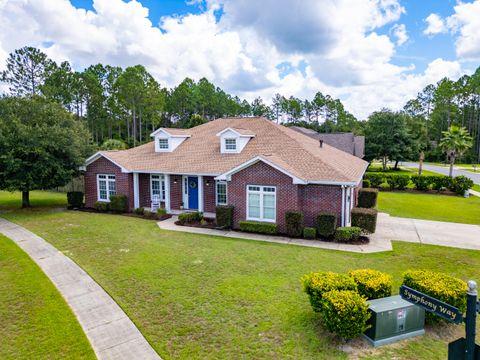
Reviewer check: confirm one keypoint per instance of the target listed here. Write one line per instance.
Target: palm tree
(455, 142)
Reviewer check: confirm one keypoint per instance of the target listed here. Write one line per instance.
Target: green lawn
(196, 296)
(36, 323)
(430, 206)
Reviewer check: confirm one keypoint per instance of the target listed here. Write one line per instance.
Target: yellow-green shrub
(317, 284)
(372, 284)
(438, 285)
(345, 313)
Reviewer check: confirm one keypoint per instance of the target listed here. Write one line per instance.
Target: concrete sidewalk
(389, 228)
(375, 245)
(111, 333)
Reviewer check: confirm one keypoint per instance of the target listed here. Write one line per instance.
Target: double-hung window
(157, 186)
(261, 203)
(163, 144)
(231, 145)
(221, 192)
(106, 187)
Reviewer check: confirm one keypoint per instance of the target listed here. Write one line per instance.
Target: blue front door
(192, 192)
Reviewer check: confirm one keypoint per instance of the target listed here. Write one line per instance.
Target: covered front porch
(176, 193)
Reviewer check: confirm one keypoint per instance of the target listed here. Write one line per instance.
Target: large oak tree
(42, 145)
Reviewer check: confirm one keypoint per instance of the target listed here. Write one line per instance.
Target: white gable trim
(165, 131)
(236, 132)
(100, 154)
(227, 176)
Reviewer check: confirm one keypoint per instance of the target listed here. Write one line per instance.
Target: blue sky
(369, 53)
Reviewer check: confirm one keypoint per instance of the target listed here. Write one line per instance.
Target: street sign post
(463, 348)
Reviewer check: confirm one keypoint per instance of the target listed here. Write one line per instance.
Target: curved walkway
(111, 333)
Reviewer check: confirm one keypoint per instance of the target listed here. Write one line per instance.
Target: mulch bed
(211, 224)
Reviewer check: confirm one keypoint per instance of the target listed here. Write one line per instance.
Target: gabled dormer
(168, 139)
(233, 140)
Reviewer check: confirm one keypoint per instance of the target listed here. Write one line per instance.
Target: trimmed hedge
(421, 182)
(398, 181)
(294, 223)
(161, 212)
(366, 184)
(326, 224)
(439, 182)
(372, 284)
(347, 234)
(258, 227)
(101, 206)
(75, 199)
(440, 286)
(224, 216)
(139, 211)
(367, 198)
(316, 285)
(150, 214)
(460, 184)
(309, 233)
(119, 203)
(345, 313)
(375, 179)
(190, 217)
(365, 219)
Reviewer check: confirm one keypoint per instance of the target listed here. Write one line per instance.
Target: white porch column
(342, 221)
(136, 191)
(167, 193)
(200, 194)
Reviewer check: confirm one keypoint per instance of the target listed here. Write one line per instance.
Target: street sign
(435, 306)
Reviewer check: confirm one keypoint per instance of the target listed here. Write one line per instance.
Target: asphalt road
(445, 169)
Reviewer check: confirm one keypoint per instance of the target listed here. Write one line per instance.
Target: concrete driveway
(456, 235)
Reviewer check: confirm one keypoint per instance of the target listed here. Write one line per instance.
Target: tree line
(128, 104)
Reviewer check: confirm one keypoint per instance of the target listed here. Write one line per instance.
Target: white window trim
(216, 192)
(261, 192)
(167, 149)
(107, 181)
(236, 145)
(162, 185)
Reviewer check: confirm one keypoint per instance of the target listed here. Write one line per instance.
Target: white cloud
(435, 25)
(463, 24)
(338, 40)
(400, 32)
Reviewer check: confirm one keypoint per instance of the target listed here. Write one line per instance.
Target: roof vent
(321, 143)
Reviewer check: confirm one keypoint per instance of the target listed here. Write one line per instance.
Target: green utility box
(394, 319)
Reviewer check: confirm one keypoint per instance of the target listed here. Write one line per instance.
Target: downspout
(343, 206)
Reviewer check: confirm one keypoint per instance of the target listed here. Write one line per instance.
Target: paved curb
(110, 332)
(375, 244)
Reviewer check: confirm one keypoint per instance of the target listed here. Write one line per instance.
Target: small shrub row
(367, 198)
(341, 299)
(75, 199)
(146, 213)
(458, 184)
(119, 203)
(101, 206)
(258, 227)
(372, 284)
(224, 216)
(317, 284)
(365, 219)
(309, 233)
(190, 217)
(438, 285)
(347, 234)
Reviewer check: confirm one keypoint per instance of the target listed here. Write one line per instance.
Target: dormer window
(163, 144)
(233, 140)
(231, 145)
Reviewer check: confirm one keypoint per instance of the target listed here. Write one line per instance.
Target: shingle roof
(297, 153)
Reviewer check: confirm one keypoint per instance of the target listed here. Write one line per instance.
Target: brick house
(261, 168)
